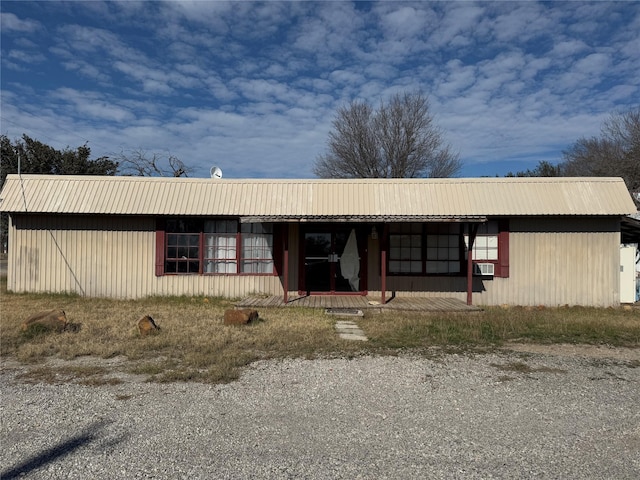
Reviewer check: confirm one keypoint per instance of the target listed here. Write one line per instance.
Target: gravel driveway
(498, 415)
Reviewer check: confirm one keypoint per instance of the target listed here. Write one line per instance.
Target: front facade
(533, 241)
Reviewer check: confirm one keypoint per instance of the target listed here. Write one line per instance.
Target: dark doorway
(323, 257)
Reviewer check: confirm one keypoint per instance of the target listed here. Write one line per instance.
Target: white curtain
(220, 246)
(350, 262)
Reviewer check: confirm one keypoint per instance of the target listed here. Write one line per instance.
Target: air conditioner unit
(484, 269)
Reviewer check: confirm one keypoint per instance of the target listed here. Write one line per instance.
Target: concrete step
(349, 330)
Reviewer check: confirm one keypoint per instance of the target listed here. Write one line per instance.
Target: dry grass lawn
(194, 345)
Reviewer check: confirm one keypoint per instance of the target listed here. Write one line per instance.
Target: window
(440, 248)
(443, 248)
(194, 246)
(257, 248)
(485, 246)
(492, 246)
(183, 247)
(220, 237)
(405, 248)
(431, 248)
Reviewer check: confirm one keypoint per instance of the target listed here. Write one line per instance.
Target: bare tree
(143, 164)
(616, 152)
(399, 139)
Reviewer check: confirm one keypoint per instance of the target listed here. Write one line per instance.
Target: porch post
(285, 260)
(383, 275)
(383, 263)
(473, 230)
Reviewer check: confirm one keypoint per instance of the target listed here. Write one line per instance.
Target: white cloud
(26, 57)
(254, 86)
(87, 70)
(457, 78)
(456, 27)
(404, 22)
(209, 13)
(524, 22)
(534, 66)
(346, 77)
(89, 39)
(11, 23)
(91, 105)
(593, 64)
(568, 48)
(152, 81)
(263, 90)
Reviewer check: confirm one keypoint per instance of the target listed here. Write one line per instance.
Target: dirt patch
(86, 370)
(587, 351)
(98, 371)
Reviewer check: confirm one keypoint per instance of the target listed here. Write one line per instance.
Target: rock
(240, 317)
(51, 320)
(147, 326)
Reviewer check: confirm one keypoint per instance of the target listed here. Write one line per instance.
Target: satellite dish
(216, 172)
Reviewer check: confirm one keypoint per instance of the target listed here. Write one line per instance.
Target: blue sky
(253, 87)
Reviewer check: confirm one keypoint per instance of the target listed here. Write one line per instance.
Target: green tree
(37, 157)
(543, 169)
(397, 140)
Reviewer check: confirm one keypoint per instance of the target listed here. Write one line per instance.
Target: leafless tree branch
(143, 164)
(398, 139)
(616, 152)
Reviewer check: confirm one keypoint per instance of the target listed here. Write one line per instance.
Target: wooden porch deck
(433, 304)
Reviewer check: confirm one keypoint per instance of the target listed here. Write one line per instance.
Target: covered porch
(359, 302)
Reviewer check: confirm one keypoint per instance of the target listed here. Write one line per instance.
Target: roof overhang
(363, 219)
(630, 230)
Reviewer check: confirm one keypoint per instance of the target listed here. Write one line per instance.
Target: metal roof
(305, 199)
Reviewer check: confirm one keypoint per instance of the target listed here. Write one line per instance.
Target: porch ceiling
(363, 218)
(630, 230)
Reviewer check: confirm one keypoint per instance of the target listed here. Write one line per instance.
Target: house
(534, 241)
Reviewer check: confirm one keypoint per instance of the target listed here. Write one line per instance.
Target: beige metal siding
(316, 198)
(107, 257)
(107, 247)
(91, 256)
(552, 262)
(229, 286)
(559, 262)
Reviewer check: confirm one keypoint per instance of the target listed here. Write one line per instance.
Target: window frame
(501, 263)
(436, 232)
(162, 248)
(269, 247)
(500, 229)
(217, 234)
(180, 247)
(406, 233)
(426, 231)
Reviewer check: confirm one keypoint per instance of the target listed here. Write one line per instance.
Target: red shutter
(502, 268)
(160, 236)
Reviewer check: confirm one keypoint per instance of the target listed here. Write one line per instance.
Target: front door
(326, 251)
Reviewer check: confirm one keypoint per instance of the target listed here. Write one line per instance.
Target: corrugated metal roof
(454, 198)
